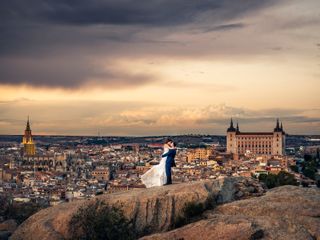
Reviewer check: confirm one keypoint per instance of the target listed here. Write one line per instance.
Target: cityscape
(54, 169)
(159, 120)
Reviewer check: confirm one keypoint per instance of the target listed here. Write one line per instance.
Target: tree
(310, 166)
(309, 172)
(294, 168)
(307, 157)
(17, 211)
(310, 169)
(276, 180)
(268, 179)
(100, 221)
(285, 178)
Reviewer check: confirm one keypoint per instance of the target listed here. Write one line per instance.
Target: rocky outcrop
(152, 210)
(223, 228)
(284, 213)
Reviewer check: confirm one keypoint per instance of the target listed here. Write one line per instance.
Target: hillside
(280, 214)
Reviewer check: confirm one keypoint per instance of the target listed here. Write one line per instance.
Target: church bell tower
(231, 138)
(279, 139)
(29, 148)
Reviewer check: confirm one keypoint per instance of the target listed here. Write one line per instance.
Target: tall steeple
(281, 127)
(238, 130)
(231, 128)
(27, 141)
(28, 125)
(277, 128)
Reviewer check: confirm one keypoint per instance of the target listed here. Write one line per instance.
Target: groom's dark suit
(170, 163)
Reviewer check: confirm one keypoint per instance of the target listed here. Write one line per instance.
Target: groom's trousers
(168, 171)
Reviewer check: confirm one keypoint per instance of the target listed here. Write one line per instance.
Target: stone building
(101, 174)
(39, 162)
(257, 143)
(56, 162)
(27, 141)
(198, 154)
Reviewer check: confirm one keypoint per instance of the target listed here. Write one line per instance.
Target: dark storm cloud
(149, 12)
(67, 73)
(56, 36)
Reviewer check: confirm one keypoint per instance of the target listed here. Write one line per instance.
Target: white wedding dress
(156, 176)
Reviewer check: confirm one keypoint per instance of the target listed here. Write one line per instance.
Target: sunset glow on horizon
(159, 67)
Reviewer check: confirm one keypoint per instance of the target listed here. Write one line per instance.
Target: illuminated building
(29, 147)
(258, 143)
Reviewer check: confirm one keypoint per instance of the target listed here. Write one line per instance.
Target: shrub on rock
(100, 221)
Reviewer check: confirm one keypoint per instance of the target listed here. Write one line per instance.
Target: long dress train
(156, 176)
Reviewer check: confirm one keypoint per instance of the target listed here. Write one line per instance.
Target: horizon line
(139, 136)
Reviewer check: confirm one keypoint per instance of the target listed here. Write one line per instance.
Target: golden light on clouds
(163, 76)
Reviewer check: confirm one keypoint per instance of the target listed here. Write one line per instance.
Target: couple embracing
(160, 174)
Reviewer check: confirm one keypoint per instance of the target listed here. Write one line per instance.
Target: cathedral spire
(28, 125)
(27, 141)
(238, 127)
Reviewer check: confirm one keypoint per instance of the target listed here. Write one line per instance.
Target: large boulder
(220, 228)
(285, 213)
(151, 210)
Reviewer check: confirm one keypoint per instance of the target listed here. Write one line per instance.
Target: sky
(159, 67)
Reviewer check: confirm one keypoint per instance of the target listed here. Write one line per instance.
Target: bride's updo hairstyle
(168, 140)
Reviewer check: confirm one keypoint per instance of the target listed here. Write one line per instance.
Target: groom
(170, 159)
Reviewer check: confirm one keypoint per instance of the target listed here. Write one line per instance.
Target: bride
(156, 176)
